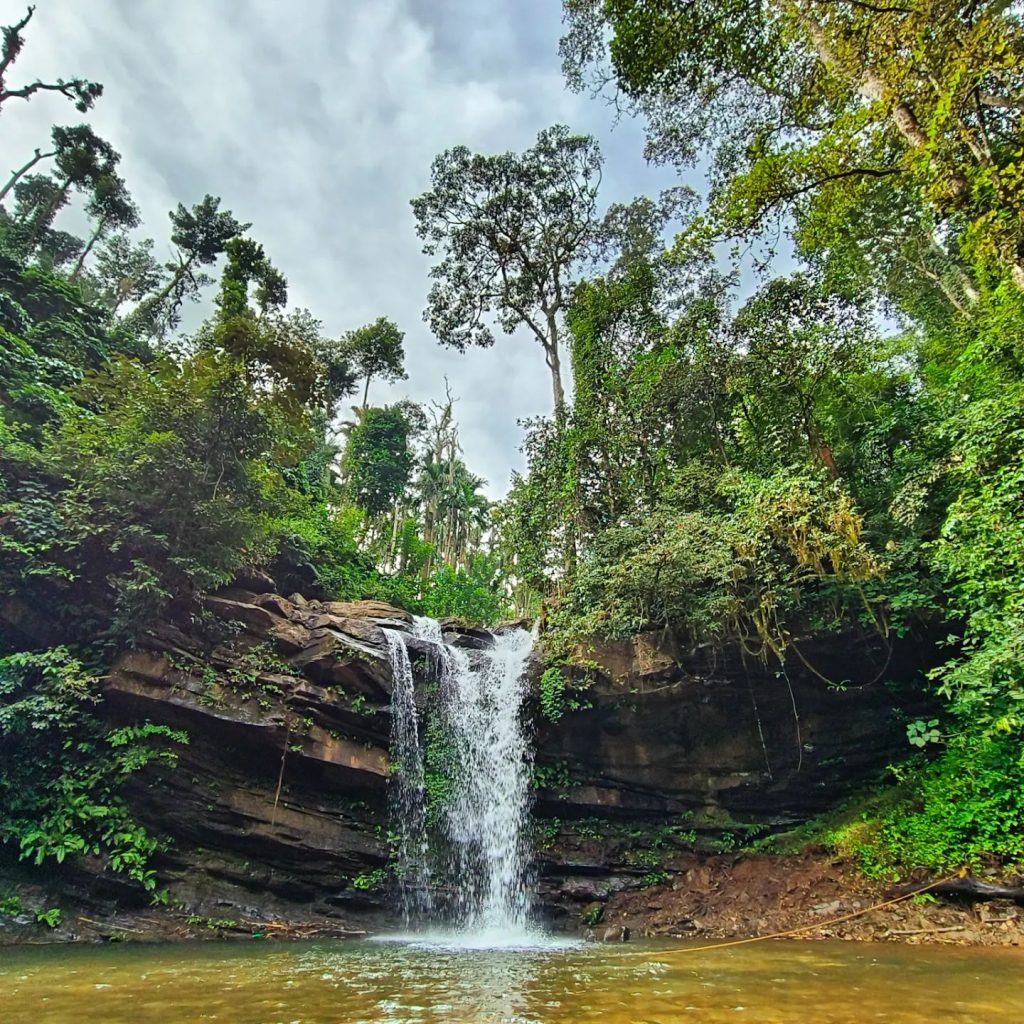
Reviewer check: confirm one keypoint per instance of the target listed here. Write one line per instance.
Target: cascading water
(481, 836)
(485, 818)
(408, 792)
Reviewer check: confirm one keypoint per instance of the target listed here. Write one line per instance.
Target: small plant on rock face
(51, 917)
(592, 915)
(653, 878)
(10, 905)
(370, 880)
(559, 694)
(556, 777)
(546, 832)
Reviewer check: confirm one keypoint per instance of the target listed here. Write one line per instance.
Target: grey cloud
(317, 121)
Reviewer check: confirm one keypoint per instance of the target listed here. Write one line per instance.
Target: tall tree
(376, 351)
(84, 162)
(80, 91)
(125, 271)
(111, 208)
(509, 229)
(801, 106)
(201, 235)
(379, 458)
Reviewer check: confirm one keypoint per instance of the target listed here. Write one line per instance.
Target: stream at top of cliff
(365, 982)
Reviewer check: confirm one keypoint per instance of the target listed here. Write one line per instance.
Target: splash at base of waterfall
(476, 853)
(529, 940)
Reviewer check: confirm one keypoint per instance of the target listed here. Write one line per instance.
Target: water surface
(395, 983)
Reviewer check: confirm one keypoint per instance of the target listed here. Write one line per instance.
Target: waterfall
(480, 837)
(407, 797)
(485, 820)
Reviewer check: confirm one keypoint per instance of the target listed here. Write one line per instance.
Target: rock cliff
(276, 810)
(676, 748)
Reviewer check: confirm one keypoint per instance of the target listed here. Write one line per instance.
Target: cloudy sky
(317, 121)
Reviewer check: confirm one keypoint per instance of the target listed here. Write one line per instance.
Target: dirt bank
(735, 896)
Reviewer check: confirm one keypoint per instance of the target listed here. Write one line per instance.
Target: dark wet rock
(277, 805)
(256, 580)
(677, 747)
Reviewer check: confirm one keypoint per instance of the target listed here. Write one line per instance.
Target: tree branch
(990, 99)
(13, 41)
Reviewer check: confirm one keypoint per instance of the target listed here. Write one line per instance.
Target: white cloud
(317, 121)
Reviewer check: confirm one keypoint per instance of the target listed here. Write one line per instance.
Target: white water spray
(407, 796)
(482, 835)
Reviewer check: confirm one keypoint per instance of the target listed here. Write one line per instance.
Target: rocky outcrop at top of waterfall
(277, 809)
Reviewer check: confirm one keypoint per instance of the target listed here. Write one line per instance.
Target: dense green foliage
(741, 461)
(60, 768)
(845, 446)
(141, 468)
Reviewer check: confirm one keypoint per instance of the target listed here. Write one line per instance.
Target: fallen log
(967, 888)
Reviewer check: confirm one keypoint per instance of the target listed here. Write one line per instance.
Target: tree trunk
(88, 248)
(872, 87)
(366, 390)
(551, 357)
(396, 517)
(155, 300)
(46, 217)
(17, 175)
(966, 887)
(429, 518)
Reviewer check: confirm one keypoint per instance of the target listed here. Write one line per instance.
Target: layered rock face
(277, 804)
(276, 811)
(705, 747)
(276, 808)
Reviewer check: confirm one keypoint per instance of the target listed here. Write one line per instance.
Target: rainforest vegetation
(733, 454)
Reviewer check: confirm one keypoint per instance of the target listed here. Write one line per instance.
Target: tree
(800, 106)
(83, 161)
(340, 375)
(80, 91)
(379, 459)
(201, 235)
(37, 198)
(376, 351)
(125, 271)
(510, 230)
(798, 345)
(112, 208)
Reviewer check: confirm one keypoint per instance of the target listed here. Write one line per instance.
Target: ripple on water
(407, 981)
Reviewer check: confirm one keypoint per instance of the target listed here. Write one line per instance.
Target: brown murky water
(391, 983)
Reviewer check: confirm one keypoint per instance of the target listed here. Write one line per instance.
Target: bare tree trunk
(396, 517)
(17, 175)
(366, 390)
(551, 356)
(88, 249)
